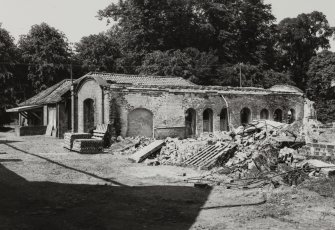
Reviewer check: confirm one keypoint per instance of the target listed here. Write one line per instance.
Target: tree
(98, 52)
(46, 51)
(237, 31)
(321, 73)
(298, 41)
(8, 57)
(189, 63)
(251, 76)
(242, 30)
(155, 25)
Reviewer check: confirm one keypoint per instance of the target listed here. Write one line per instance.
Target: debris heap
(265, 150)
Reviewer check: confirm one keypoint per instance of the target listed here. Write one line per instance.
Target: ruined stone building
(154, 106)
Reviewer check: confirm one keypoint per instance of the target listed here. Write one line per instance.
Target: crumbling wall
(169, 108)
(271, 102)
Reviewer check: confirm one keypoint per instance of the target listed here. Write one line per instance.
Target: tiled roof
(51, 95)
(112, 78)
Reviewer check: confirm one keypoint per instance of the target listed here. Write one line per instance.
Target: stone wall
(90, 90)
(169, 108)
(30, 130)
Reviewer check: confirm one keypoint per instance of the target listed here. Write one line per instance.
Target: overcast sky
(77, 18)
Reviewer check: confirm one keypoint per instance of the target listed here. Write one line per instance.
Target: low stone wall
(164, 132)
(318, 149)
(30, 130)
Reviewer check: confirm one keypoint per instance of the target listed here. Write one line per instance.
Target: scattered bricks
(302, 151)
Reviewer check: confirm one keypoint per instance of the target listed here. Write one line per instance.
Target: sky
(77, 18)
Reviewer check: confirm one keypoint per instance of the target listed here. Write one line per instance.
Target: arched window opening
(88, 115)
(291, 116)
(208, 120)
(245, 116)
(265, 114)
(224, 126)
(190, 123)
(278, 115)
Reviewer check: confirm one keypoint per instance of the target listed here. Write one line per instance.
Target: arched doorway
(140, 123)
(291, 117)
(245, 116)
(208, 120)
(88, 115)
(224, 120)
(278, 115)
(190, 123)
(264, 114)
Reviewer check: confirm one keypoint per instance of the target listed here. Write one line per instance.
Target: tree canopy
(47, 54)
(8, 57)
(98, 52)
(321, 73)
(299, 40)
(240, 31)
(173, 37)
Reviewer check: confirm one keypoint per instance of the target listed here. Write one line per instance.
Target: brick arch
(190, 122)
(88, 113)
(264, 114)
(140, 123)
(207, 120)
(224, 119)
(245, 115)
(291, 116)
(278, 115)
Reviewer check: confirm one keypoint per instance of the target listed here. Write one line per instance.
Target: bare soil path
(44, 186)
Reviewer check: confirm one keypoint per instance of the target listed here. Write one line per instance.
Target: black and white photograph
(167, 114)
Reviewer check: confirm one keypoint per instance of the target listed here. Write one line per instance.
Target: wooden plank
(210, 156)
(200, 154)
(213, 158)
(142, 154)
(207, 155)
(49, 130)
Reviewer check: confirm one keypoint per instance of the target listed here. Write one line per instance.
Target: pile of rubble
(262, 149)
(259, 145)
(129, 145)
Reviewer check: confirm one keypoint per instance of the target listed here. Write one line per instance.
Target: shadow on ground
(45, 205)
(5, 129)
(7, 141)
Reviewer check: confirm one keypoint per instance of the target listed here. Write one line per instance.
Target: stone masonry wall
(90, 90)
(168, 108)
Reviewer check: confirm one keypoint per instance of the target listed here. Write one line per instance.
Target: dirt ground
(44, 186)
